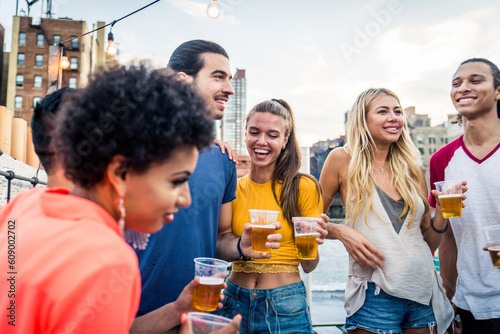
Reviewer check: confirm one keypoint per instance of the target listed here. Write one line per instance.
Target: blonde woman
(269, 293)
(389, 233)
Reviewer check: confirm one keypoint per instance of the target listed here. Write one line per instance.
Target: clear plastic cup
(305, 237)
(450, 199)
(212, 273)
(263, 223)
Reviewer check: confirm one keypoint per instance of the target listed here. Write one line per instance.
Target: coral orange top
(70, 271)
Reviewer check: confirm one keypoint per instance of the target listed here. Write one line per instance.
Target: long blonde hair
(288, 162)
(403, 161)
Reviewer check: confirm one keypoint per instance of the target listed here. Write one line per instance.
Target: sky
(318, 55)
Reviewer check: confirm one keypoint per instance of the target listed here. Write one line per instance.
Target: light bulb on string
(64, 60)
(111, 49)
(213, 9)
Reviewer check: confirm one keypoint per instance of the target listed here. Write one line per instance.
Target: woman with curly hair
(269, 293)
(129, 142)
(392, 284)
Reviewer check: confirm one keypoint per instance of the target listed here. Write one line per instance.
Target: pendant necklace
(381, 169)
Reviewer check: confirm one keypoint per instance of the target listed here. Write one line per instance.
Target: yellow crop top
(251, 195)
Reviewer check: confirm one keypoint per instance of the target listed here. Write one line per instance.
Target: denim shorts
(384, 313)
(280, 310)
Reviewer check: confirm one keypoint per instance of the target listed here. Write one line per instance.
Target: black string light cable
(109, 24)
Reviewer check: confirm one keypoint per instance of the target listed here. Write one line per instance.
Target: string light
(64, 60)
(213, 9)
(111, 50)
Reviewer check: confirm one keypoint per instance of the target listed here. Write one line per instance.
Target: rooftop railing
(10, 175)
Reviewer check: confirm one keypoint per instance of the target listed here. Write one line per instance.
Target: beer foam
(494, 248)
(315, 234)
(211, 280)
(272, 226)
(449, 195)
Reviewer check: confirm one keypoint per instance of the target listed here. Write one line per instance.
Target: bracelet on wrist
(242, 257)
(439, 231)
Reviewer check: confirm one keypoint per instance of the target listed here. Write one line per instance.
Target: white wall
(21, 169)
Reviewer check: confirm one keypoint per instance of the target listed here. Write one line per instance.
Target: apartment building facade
(29, 59)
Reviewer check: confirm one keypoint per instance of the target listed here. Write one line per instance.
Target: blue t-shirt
(167, 262)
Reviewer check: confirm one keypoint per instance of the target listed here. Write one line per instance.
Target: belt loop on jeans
(237, 291)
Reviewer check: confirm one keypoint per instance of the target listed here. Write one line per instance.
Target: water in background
(328, 284)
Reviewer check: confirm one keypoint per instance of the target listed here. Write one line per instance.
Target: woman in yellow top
(269, 293)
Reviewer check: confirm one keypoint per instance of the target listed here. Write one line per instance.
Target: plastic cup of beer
(492, 234)
(263, 223)
(212, 273)
(305, 237)
(450, 198)
(201, 323)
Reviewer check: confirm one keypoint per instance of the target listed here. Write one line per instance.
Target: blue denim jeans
(384, 313)
(281, 310)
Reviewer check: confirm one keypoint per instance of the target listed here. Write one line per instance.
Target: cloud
(198, 10)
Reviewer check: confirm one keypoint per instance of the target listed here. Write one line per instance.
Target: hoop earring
(136, 239)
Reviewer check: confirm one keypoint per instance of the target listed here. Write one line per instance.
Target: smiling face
(265, 138)
(385, 119)
(152, 198)
(472, 91)
(213, 83)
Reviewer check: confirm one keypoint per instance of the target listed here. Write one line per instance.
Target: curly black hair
(134, 111)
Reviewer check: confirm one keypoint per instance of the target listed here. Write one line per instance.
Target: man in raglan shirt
(468, 275)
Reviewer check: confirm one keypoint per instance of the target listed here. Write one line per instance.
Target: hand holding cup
(264, 223)
(492, 234)
(273, 242)
(309, 232)
(450, 197)
(212, 274)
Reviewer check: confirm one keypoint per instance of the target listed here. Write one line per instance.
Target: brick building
(29, 59)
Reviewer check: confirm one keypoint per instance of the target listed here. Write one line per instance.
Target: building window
(20, 59)
(56, 39)
(18, 102)
(36, 100)
(72, 82)
(39, 40)
(73, 63)
(74, 43)
(19, 80)
(38, 60)
(38, 81)
(430, 151)
(22, 38)
(420, 139)
(421, 149)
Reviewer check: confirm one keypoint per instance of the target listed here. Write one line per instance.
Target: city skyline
(318, 55)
